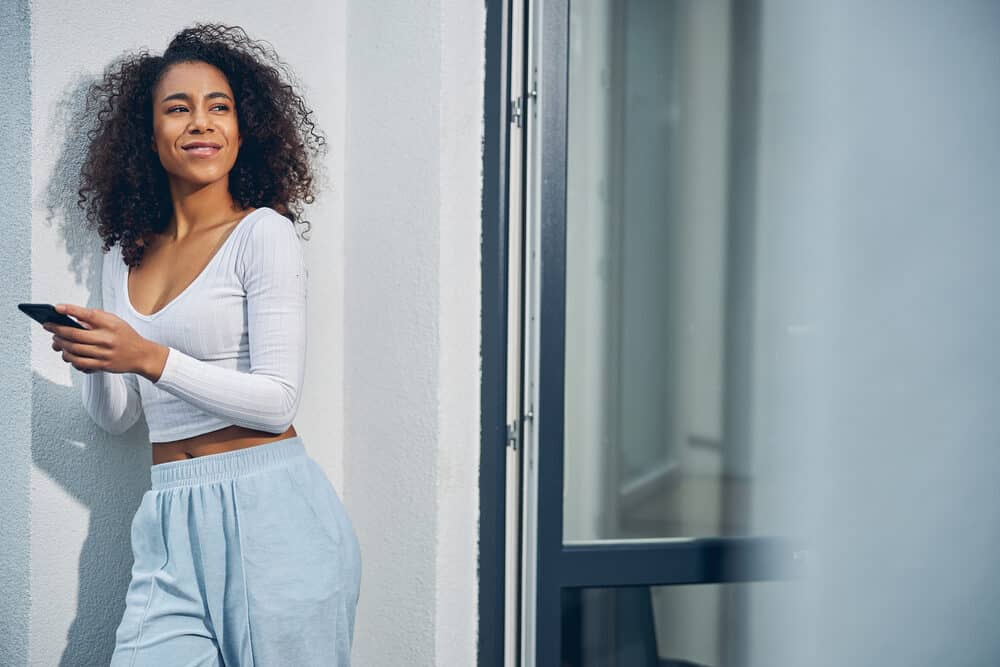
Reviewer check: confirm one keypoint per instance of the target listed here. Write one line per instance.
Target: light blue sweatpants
(243, 559)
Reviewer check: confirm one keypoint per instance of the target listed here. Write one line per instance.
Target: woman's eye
(223, 107)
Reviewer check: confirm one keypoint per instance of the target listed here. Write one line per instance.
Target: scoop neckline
(195, 281)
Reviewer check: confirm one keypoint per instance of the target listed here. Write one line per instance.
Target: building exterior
(642, 332)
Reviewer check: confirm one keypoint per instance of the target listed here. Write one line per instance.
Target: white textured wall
(411, 325)
(15, 331)
(391, 405)
(463, 64)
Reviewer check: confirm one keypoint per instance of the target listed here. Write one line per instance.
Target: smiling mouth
(202, 151)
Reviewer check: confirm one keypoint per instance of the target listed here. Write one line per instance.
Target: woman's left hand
(107, 344)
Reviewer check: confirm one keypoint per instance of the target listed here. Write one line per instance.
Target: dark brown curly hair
(129, 197)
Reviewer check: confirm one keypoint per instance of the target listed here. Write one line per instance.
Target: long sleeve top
(236, 337)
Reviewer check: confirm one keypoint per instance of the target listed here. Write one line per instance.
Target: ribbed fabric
(237, 339)
(227, 465)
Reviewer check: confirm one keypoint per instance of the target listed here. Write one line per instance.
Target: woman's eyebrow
(186, 97)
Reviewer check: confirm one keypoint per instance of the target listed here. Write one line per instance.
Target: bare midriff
(215, 442)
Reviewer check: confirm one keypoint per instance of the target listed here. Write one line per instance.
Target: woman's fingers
(84, 358)
(85, 364)
(87, 316)
(109, 344)
(80, 350)
(73, 334)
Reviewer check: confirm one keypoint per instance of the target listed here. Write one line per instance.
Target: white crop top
(237, 339)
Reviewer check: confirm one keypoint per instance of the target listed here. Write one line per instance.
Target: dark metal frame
(493, 332)
(641, 563)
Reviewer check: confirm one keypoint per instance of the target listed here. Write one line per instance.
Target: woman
(243, 552)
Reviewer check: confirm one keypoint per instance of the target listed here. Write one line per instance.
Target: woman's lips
(202, 151)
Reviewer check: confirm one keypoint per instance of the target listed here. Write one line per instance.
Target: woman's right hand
(107, 343)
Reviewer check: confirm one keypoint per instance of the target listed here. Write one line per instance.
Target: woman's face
(193, 104)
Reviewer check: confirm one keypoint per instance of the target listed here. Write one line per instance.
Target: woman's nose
(199, 120)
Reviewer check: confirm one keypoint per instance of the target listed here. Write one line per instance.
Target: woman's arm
(274, 276)
(111, 399)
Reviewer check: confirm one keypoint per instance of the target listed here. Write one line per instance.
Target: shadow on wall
(105, 474)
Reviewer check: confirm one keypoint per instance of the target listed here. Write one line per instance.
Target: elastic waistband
(227, 465)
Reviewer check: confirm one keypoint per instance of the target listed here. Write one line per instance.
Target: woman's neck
(199, 209)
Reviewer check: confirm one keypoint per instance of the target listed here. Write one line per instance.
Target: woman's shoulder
(263, 221)
(268, 235)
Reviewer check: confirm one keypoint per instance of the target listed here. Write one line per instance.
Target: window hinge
(514, 429)
(512, 435)
(517, 106)
(516, 111)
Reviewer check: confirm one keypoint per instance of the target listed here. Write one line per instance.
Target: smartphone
(46, 312)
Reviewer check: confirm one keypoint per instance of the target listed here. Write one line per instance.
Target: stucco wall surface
(391, 402)
(411, 326)
(460, 173)
(15, 330)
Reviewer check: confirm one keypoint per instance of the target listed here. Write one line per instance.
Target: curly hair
(129, 197)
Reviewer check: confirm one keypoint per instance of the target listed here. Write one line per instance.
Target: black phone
(46, 312)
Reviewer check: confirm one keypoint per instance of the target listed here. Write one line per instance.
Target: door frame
(492, 585)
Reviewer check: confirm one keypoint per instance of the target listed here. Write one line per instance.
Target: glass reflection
(649, 318)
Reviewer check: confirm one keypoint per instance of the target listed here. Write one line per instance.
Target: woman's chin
(197, 181)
